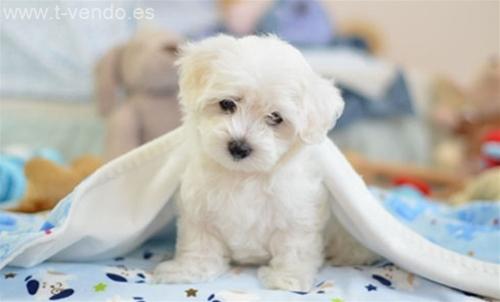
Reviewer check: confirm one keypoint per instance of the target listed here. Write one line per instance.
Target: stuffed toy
(485, 186)
(364, 32)
(136, 89)
(490, 149)
(48, 182)
(462, 116)
(12, 178)
(453, 188)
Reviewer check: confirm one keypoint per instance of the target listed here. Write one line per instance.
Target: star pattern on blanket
(139, 259)
(47, 228)
(100, 287)
(191, 292)
(371, 287)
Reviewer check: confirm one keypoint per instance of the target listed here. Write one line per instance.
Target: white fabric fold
(367, 220)
(126, 201)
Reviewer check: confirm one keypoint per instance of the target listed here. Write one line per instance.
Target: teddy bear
(136, 90)
(13, 158)
(461, 116)
(485, 186)
(47, 182)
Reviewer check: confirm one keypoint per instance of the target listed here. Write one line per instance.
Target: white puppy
(252, 192)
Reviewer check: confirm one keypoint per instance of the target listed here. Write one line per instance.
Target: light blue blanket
(472, 229)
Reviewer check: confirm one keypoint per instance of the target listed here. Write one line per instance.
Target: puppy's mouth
(239, 149)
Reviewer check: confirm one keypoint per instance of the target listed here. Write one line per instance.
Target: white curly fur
(269, 208)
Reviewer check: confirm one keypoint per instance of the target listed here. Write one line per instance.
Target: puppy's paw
(278, 279)
(187, 271)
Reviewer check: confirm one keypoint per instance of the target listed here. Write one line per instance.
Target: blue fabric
(353, 42)
(12, 178)
(396, 101)
(128, 278)
(300, 22)
(472, 229)
(12, 181)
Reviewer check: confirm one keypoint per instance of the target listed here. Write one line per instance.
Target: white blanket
(126, 201)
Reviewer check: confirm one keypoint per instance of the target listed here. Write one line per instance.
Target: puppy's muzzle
(239, 149)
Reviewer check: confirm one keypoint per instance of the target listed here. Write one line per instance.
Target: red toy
(491, 141)
(419, 185)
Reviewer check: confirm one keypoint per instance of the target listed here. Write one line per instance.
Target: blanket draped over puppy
(126, 201)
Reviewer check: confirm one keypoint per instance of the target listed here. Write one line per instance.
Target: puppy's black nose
(239, 149)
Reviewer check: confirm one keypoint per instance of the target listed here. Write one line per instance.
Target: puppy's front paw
(278, 279)
(187, 271)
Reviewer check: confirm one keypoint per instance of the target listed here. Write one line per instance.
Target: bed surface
(468, 229)
(128, 279)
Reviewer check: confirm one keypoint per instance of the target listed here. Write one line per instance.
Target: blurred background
(82, 82)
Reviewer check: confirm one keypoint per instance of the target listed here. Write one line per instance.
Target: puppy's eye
(274, 119)
(227, 105)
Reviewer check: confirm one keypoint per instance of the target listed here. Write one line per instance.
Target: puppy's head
(252, 99)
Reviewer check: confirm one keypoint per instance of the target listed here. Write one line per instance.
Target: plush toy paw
(285, 280)
(191, 271)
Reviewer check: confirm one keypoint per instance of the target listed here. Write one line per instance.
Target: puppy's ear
(323, 105)
(195, 64)
(108, 80)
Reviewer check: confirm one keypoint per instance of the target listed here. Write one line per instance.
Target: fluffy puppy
(252, 192)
